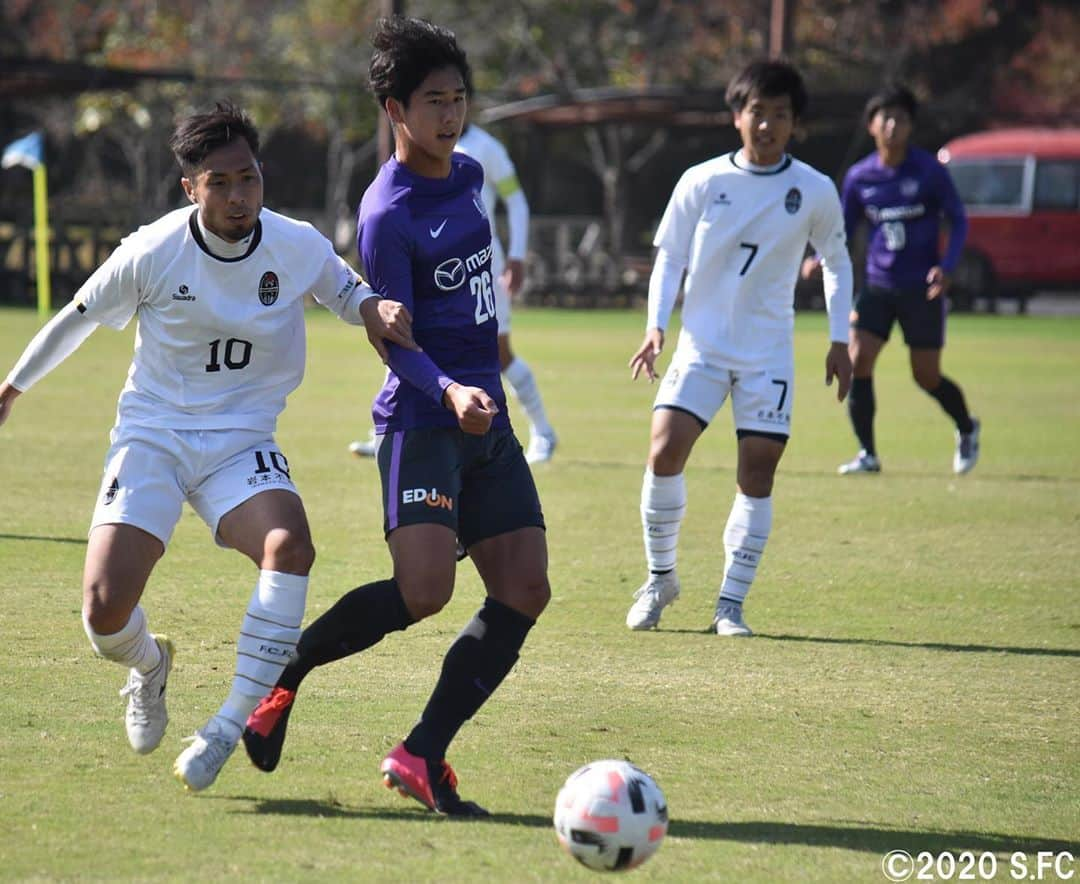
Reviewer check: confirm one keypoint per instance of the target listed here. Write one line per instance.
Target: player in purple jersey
(452, 470)
(901, 192)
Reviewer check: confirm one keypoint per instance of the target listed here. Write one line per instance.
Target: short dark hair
(891, 95)
(767, 78)
(406, 51)
(200, 134)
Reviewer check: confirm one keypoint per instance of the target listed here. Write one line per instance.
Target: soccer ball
(610, 816)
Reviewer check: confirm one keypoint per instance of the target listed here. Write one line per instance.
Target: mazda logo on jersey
(269, 288)
(450, 274)
(793, 200)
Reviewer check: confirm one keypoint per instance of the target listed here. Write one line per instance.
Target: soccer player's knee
(927, 380)
(289, 551)
(663, 461)
(531, 596)
(98, 615)
(426, 596)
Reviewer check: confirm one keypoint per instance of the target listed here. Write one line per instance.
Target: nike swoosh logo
(435, 231)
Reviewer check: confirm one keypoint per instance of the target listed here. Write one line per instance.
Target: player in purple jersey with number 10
(901, 192)
(452, 470)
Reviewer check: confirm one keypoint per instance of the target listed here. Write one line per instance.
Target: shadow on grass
(78, 540)
(931, 646)
(850, 836)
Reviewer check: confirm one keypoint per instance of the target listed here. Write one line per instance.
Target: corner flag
(29, 151)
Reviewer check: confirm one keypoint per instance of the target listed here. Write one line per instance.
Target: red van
(1021, 188)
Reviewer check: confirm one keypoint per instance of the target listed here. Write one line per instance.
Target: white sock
(745, 535)
(132, 646)
(663, 505)
(523, 383)
(267, 642)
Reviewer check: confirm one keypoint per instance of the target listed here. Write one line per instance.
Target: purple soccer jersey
(903, 207)
(426, 242)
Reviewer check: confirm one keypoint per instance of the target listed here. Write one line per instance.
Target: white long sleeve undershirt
(55, 342)
(664, 283)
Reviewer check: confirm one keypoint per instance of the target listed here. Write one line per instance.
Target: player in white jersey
(508, 270)
(218, 291)
(738, 226)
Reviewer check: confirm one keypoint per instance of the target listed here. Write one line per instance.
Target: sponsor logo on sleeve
(112, 491)
(350, 283)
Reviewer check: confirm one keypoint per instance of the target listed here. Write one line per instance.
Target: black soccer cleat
(264, 734)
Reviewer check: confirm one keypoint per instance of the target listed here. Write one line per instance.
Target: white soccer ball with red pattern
(610, 816)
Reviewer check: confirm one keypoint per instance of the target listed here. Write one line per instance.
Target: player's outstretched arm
(474, 408)
(57, 339)
(838, 365)
(645, 356)
(387, 320)
(8, 395)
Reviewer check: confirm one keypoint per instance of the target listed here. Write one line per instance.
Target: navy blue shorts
(922, 321)
(478, 486)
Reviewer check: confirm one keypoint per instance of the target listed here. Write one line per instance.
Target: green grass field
(913, 683)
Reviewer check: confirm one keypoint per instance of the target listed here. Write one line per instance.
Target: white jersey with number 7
(742, 235)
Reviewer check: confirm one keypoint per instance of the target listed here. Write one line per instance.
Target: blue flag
(28, 151)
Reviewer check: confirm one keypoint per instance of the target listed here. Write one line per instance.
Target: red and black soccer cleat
(432, 783)
(264, 734)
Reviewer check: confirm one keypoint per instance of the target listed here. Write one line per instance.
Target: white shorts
(761, 401)
(149, 473)
(502, 305)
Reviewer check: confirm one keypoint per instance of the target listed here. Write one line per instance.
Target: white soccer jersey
(742, 234)
(500, 181)
(220, 341)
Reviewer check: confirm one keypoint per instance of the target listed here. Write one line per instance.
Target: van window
(989, 182)
(1057, 185)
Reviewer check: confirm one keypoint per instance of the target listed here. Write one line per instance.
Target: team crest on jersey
(909, 187)
(793, 200)
(269, 288)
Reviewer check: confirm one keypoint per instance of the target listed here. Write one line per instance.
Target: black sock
(359, 619)
(861, 408)
(952, 400)
(477, 662)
